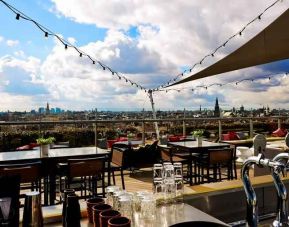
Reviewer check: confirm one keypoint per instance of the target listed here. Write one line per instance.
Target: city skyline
(149, 43)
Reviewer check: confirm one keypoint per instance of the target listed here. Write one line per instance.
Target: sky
(149, 42)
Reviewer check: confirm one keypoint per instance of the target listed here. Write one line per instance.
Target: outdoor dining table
(49, 163)
(133, 143)
(188, 148)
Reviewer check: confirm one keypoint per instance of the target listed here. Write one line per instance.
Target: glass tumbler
(125, 206)
(178, 169)
(169, 172)
(169, 190)
(116, 196)
(157, 171)
(137, 200)
(109, 193)
(148, 207)
(179, 187)
(158, 190)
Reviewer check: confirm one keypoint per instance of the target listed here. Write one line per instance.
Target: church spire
(217, 109)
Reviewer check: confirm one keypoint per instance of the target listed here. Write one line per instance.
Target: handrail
(2, 123)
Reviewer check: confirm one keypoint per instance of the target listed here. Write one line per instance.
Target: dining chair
(118, 161)
(29, 173)
(173, 155)
(215, 160)
(84, 174)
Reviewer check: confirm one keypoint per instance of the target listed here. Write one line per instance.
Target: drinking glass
(178, 169)
(125, 206)
(109, 193)
(169, 172)
(137, 200)
(170, 190)
(158, 171)
(116, 196)
(148, 207)
(158, 190)
(179, 188)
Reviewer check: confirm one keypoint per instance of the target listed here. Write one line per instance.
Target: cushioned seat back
(28, 172)
(220, 156)
(86, 167)
(117, 156)
(165, 154)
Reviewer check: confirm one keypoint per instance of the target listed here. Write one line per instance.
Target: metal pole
(143, 129)
(150, 92)
(184, 123)
(95, 129)
(251, 128)
(279, 123)
(220, 130)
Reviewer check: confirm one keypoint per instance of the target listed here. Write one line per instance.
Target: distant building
(57, 110)
(52, 111)
(47, 108)
(41, 110)
(217, 109)
(242, 109)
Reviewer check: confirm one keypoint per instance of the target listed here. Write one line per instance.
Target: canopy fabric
(272, 44)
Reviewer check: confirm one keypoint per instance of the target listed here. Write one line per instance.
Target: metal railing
(183, 124)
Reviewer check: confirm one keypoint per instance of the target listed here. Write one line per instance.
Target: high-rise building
(47, 108)
(41, 110)
(217, 109)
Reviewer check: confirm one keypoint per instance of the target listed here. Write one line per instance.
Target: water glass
(170, 190)
(158, 190)
(148, 207)
(178, 169)
(158, 171)
(109, 193)
(169, 172)
(116, 196)
(179, 188)
(137, 200)
(126, 206)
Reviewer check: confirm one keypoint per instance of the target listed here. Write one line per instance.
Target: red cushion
(110, 143)
(122, 139)
(174, 138)
(23, 148)
(279, 132)
(233, 136)
(225, 137)
(32, 145)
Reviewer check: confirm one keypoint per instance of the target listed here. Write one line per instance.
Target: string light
(66, 44)
(228, 83)
(230, 38)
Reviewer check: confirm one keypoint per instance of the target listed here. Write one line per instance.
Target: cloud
(12, 43)
(1, 39)
(166, 39)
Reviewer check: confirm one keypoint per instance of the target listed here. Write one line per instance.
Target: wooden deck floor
(137, 180)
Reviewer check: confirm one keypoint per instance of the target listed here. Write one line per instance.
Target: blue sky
(148, 42)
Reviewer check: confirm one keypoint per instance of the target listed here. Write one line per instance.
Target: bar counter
(165, 216)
